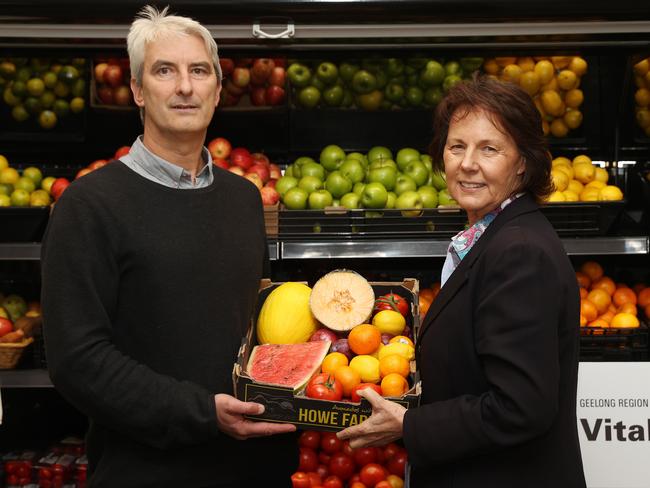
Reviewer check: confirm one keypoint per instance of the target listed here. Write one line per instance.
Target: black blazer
(498, 357)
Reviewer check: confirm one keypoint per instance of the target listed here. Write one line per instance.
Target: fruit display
(256, 82)
(25, 188)
(579, 180)
(426, 298)
(98, 163)
(327, 461)
(376, 180)
(43, 90)
(553, 83)
(376, 83)
(111, 83)
(642, 94)
(19, 322)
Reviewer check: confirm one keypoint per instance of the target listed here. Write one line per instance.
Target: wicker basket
(10, 353)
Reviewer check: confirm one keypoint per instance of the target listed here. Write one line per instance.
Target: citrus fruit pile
(642, 94)
(553, 83)
(42, 89)
(579, 180)
(607, 304)
(23, 189)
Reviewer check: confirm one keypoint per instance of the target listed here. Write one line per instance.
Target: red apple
(228, 99)
(262, 171)
(270, 196)
(261, 70)
(237, 170)
(274, 171)
(241, 77)
(282, 62)
(99, 72)
(262, 158)
(97, 164)
(271, 183)
(274, 95)
(6, 326)
(230, 87)
(113, 75)
(243, 62)
(255, 179)
(278, 76)
(241, 157)
(227, 65)
(122, 95)
(83, 172)
(105, 94)
(58, 187)
(222, 163)
(122, 151)
(258, 96)
(219, 148)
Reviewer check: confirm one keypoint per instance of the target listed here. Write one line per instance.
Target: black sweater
(147, 292)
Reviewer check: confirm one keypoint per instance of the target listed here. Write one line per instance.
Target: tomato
(392, 301)
(322, 471)
(22, 472)
(365, 455)
(324, 458)
(355, 479)
(341, 465)
(355, 396)
(300, 480)
(397, 463)
(391, 449)
(12, 480)
(357, 484)
(372, 473)
(324, 387)
(314, 479)
(309, 438)
(346, 449)
(308, 460)
(332, 482)
(330, 443)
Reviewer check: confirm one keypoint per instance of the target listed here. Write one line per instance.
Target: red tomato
(355, 396)
(332, 482)
(365, 455)
(330, 443)
(341, 465)
(391, 301)
(322, 471)
(308, 460)
(314, 479)
(391, 449)
(300, 480)
(355, 479)
(324, 458)
(324, 387)
(309, 438)
(397, 464)
(372, 473)
(12, 480)
(357, 484)
(383, 484)
(347, 449)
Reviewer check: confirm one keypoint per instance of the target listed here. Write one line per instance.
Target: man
(151, 267)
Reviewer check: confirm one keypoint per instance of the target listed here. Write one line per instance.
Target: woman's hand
(382, 427)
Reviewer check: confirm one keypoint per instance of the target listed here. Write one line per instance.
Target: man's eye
(164, 70)
(489, 149)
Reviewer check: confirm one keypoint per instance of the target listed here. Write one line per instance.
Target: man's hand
(231, 421)
(383, 426)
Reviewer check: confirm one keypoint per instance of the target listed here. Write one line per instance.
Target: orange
(424, 306)
(583, 293)
(583, 320)
(589, 310)
(624, 295)
(612, 308)
(364, 339)
(607, 316)
(628, 308)
(436, 289)
(394, 385)
(333, 361)
(605, 283)
(592, 269)
(395, 481)
(348, 378)
(638, 287)
(643, 300)
(625, 321)
(402, 339)
(427, 294)
(598, 323)
(600, 298)
(583, 280)
(394, 363)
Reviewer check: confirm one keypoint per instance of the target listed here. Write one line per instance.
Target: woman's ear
(521, 167)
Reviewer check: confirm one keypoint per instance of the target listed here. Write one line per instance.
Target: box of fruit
(110, 84)
(308, 351)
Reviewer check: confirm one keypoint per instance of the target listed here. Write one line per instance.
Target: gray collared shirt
(156, 169)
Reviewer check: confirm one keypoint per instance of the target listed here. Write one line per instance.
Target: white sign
(613, 411)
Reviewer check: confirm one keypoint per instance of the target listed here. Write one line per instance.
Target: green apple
(302, 160)
(392, 198)
(337, 184)
(320, 199)
(288, 171)
(404, 183)
(453, 68)
(469, 65)
(333, 96)
(313, 169)
(386, 175)
(382, 79)
(309, 96)
(416, 62)
(439, 180)
(358, 188)
(374, 196)
(34, 174)
(373, 215)
(359, 157)
(450, 81)
(310, 183)
(327, 72)
(433, 96)
(348, 98)
(331, 157)
(427, 161)
(15, 306)
(429, 196)
(363, 82)
(410, 203)
(418, 171)
(405, 156)
(394, 67)
(351, 200)
(432, 74)
(347, 71)
(444, 198)
(382, 163)
(295, 199)
(379, 152)
(414, 96)
(394, 92)
(286, 183)
(370, 101)
(299, 75)
(318, 84)
(353, 170)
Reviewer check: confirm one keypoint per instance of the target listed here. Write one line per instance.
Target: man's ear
(137, 93)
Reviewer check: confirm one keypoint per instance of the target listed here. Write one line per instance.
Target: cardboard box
(285, 406)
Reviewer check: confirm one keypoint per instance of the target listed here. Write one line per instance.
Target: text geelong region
(597, 402)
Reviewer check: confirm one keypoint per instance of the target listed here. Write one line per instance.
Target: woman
(498, 349)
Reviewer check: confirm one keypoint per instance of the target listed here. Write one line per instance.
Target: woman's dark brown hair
(513, 112)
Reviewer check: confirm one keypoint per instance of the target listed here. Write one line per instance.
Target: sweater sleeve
(516, 313)
(80, 283)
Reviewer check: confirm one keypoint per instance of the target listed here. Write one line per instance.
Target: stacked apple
(258, 80)
(255, 167)
(26, 188)
(377, 83)
(112, 81)
(98, 163)
(642, 94)
(374, 180)
(553, 83)
(580, 180)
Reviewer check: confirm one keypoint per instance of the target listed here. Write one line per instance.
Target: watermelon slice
(289, 365)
